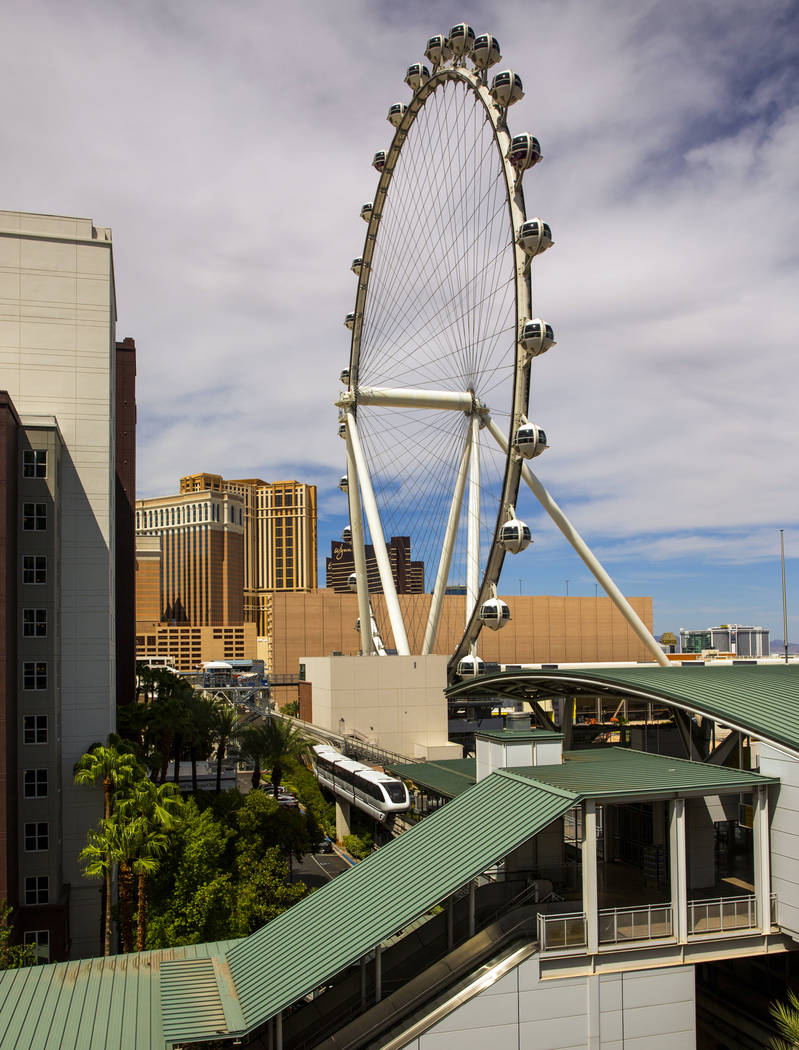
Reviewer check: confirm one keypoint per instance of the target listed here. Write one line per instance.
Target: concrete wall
(784, 836)
(639, 1010)
(396, 702)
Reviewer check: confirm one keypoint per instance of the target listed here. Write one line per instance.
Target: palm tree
(787, 1017)
(225, 729)
(115, 769)
(149, 810)
(255, 745)
(271, 744)
(105, 849)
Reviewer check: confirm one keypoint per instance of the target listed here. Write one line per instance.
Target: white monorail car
(375, 793)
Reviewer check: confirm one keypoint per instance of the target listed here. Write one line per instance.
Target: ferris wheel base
(394, 703)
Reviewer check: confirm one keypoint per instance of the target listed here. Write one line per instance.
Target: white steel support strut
(358, 552)
(447, 549)
(473, 521)
(378, 540)
(585, 552)
(397, 397)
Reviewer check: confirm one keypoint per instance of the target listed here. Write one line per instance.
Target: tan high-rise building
(279, 537)
(202, 557)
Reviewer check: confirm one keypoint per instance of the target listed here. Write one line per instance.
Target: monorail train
(375, 793)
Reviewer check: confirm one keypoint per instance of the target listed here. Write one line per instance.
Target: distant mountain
(778, 646)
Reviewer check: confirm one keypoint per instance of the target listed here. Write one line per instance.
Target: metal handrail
(569, 923)
(627, 924)
(720, 914)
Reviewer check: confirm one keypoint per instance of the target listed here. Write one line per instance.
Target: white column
(279, 1031)
(358, 552)
(378, 973)
(590, 881)
(450, 923)
(587, 555)
(473, 522)
(448, 547)
(472, 906)
(378, 540)
(762, 859)
(342, 819)
(678, 870)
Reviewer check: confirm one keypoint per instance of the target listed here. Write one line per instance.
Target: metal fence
(635, 924)
(557, 932)
(722, 914)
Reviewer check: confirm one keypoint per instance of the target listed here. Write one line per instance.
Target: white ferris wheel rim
(519, 367)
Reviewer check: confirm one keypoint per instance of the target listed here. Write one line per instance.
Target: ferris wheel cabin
(494, 613)
(470, 666)
(379, 160)
(525, 151)
(535, 237)
(485, 51)
(515, 536)
(396, 113)
(506, 88)
(530, 441)
(417, 75)
(537, 337)
(437, 50)
(461, 39)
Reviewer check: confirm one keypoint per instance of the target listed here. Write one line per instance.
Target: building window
(34, 675)
(34, 463)
(34, 517)
(39, 940)
(34, 623)
(34, 568)
(34, 729)
(35, 783)
(37, 889)
(37, 836)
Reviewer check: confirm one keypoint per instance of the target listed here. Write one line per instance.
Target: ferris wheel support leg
(473, 521)
(359, 553)
(585, 552)
(450, 535)
(378, 540)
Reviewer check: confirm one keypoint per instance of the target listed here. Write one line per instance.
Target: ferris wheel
(435, 408)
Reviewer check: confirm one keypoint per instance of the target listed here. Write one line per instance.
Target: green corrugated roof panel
(448, 777)
(761, 699)
(111, 1003)
(322, 934)
(517, 736)
(622, 772)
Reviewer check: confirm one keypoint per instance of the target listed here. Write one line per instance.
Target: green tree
(263, 891)
(273, 744)
(115, 769)
(106, 848)
(225, 730)
(12, 956)
(787, 1017)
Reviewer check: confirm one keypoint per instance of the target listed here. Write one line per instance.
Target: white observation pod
(346, 534)
(342, 430)
(352, 582)
(349, 321)
(358, 625)
(343, 484)
(344, 376)
(530, 440)
(438, 50)
(485, 51)
(494, 613)
(396, 113)
(366, 211)
(417, 75)
(506, 88)
(535, 237)
(536, 336)
(514, 535)
(524, 152)
(379, 160)
(470, 666)
(358, 265)
(461, 39)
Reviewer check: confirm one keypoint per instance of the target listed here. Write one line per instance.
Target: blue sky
(229, 147)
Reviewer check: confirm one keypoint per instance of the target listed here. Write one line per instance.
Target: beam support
(678, 870)
(450, 534)
(358, 551)
(590, 879)
(585, 552)
(397, 397)
(378, 973)
(472, 907)
(762, 859)
(727, 747)
(473, 521)
(378, 540)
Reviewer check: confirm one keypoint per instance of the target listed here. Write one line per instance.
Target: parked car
(325, 846)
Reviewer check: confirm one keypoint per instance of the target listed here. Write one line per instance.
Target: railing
(722, 914)
(559, 932)
(647, 923)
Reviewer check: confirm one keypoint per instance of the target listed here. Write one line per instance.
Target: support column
(762, 859)
(359, 552)
(590, 882)
(342, 819)
(472, 907)
(363, 982)
(279, 1031)
(450, 923)
(378, 973)
(678, 870)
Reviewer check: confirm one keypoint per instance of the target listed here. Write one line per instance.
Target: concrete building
(68, 388)
(408, 575)
(279, 538)
(201, 538)
(746, 642)
(186, 647)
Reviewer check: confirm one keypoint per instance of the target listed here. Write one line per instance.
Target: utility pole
(784, 602)
(567, 588)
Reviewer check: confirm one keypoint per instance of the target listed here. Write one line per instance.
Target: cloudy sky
(229, 145)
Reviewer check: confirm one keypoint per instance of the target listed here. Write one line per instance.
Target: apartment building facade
(58, 474)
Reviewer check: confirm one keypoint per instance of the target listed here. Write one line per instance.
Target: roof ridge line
(563, 792)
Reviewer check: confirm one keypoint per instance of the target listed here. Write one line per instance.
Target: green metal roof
(112, 1003)
(449, 777)
(334, 927)
(762, 700)
(619, 771)
(517, 736)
